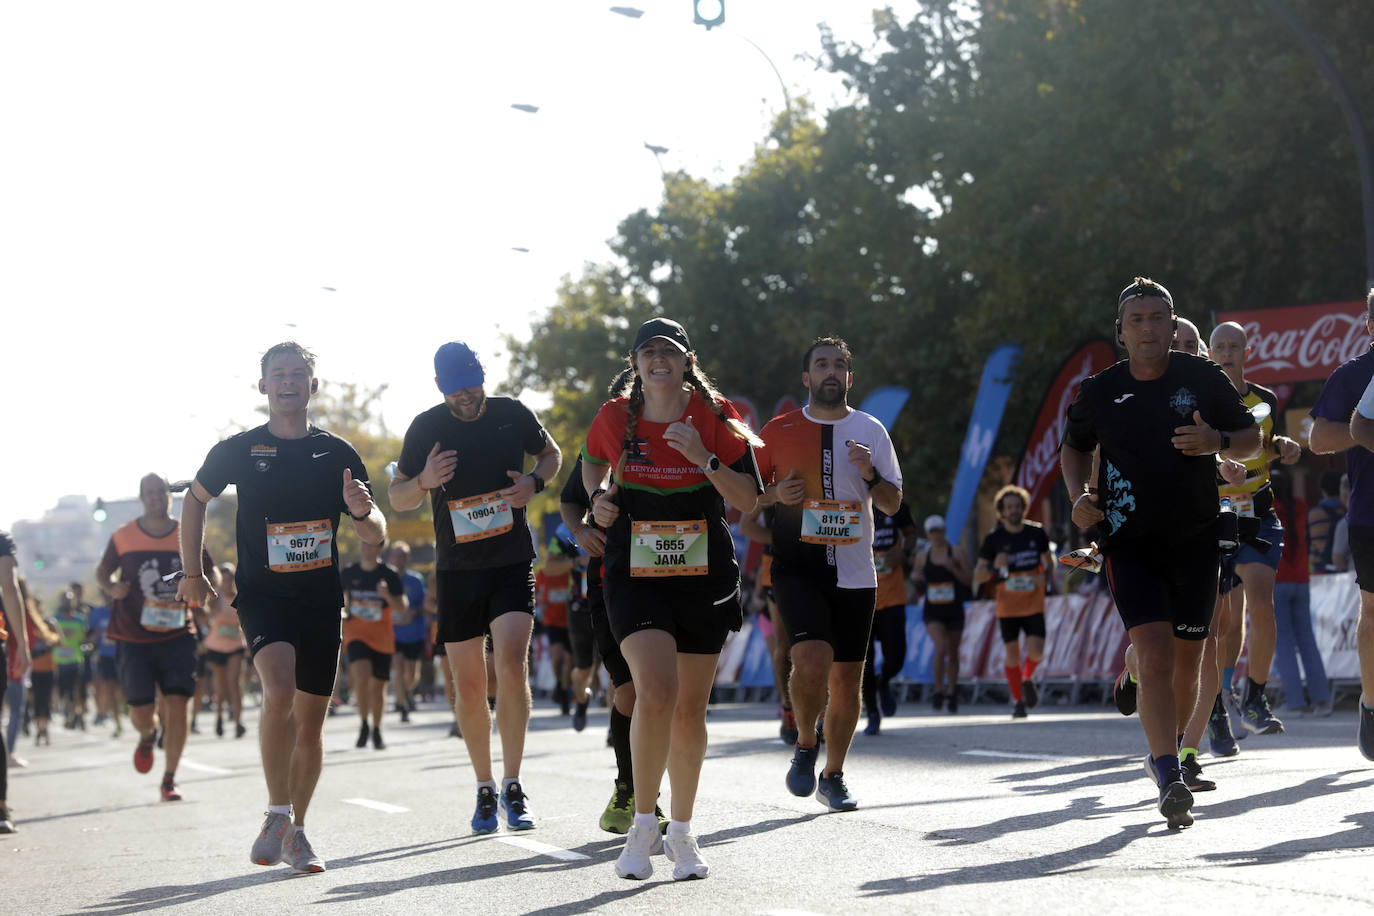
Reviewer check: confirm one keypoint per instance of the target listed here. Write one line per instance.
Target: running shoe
(377, 742)
(17, 762)
(363, 734)
(518, 816)
(239, 730)
(298, 854)
(170, 792)
(801, 778)
(634, 858)
(1258, 718)
(620, 810)
(161, 734)
(887, 702)
(1230, 701)
(1019, 710)
(484, 818)
(579, 718)
(681, 849)
(834, 794)
(1176, 804)
(1219, 736)
(1031, 691)
(454, 731)
(7, 822)
(952, 703)
(788, 730)
(1321, 710)
(820, 730)
(1124, 693)
(1192, 775)
(874, 725)
(219, 727)
(937, 701)
(1366, 739)
(267, 847)
(143, 755)
(405, 714)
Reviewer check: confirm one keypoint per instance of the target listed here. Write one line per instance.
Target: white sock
(646, 821)
(505, 783)
(679, 828)
(279, 809)
(490, 784)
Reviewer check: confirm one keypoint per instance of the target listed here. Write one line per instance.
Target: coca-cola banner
(1039, 467)
(1301, 342)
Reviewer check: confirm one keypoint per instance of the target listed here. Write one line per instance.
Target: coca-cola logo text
(1303, 342)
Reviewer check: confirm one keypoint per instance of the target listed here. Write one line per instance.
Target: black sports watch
(538, 482)
(1225, 442)
(711, 466)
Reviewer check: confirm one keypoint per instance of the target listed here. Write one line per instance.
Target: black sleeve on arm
(217, 471)
(573, 492)
(747, 465)
(1228, 411)
(414, 450)
(903, 517)
(1080, 433)
(533, 437)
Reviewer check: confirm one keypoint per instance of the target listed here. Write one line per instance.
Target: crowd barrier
(1084, 645)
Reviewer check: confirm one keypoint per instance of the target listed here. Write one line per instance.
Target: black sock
(620, 740)
(1253, 689)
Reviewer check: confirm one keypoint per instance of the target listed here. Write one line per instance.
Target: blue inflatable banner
(993, 392)
(885, 404)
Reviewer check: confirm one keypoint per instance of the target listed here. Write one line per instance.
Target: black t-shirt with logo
(887, 529)
(1148, 489)
(488, 447)
(290, 495)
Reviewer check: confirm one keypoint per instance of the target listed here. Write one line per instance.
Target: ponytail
(713, 399)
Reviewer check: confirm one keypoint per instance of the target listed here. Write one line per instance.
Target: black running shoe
(1031, 692)
(1192, 775)
(1366, 732)
(1258, 717)
(937, 702)
(1124, 693)
(1176, 804)
(1019, 710)
(1219, 736)
(952, 703)
(363, 734)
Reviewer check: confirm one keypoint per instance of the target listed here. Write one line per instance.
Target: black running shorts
(359, 651)
(617, 669)
(1172, 582)
(581, 636)
(470, 599)
(143, 667)
(697, 618)
(1362, 556)
(1013, 627)
(314, 632)
(842, 617)
(414, 651)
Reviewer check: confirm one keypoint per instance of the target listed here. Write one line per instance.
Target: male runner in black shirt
(468, 454)
(1160, 417)
(294, 481)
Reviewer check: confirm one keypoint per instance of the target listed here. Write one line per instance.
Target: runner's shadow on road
(1316, 787)
(1109, 772)
(1290, 850)
(113, 809)
(1079, 809)
(1082, 858)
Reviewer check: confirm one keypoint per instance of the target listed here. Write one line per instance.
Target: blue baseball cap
(456, 367)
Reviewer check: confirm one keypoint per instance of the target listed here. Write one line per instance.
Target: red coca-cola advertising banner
(1039, 467)
(1301, 342)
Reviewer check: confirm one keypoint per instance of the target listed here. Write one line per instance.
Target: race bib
(1244, 505)
(163, 616)
(224, 631)
(1023, 582)
(299, 546)
(668, 548)
(479, 517)
(366, 608)
(940, 593)
(831, 521)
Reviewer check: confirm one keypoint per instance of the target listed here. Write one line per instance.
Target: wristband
(199, 575)
(1079, 499)
(877, 479)
(360, 518)
(538, 481)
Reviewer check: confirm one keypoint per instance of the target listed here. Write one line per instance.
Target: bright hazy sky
(184, 179)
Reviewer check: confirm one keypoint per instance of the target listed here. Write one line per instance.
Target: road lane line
(205, 768)
(544, 849)
(376, 805)
(1011, 756)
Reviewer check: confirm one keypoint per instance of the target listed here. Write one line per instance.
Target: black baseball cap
(666, 328)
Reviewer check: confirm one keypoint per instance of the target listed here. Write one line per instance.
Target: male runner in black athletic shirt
(294, 480)
(468, 454)
(1160, 417)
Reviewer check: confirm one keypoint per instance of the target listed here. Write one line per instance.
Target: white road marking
(544, 849)
(1010, 756)
(204, 768)
(376, 805)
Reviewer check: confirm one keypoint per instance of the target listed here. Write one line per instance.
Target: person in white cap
(468, 454)
(942, 571)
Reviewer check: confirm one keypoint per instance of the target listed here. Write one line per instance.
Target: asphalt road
(972, 813)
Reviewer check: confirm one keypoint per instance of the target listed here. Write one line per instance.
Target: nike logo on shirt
(318, 454)
(1122, 399)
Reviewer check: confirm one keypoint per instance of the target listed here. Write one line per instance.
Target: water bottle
(1228, 530)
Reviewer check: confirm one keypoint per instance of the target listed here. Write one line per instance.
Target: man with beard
(468, 454)
(826, 466)
(1016, 554)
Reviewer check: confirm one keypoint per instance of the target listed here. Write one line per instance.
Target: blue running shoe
(1366, 733)
(484, 818)
(801, 778)
(1219, 735)
(513, 803)
(834, 794)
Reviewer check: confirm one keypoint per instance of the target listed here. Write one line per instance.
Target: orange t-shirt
(552, 592)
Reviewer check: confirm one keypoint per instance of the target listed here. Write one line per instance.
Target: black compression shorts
(470, 599)
(581, 637)
(1013, 627)
(380, 662)
(314, 632)
(1362, 556)
(617, 669)
(144, 667)
(1174, 583)
(414, 651)
(697, 618)
(842, 617)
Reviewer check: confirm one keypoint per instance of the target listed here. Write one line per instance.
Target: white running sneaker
(640, 843)
(682, 851)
